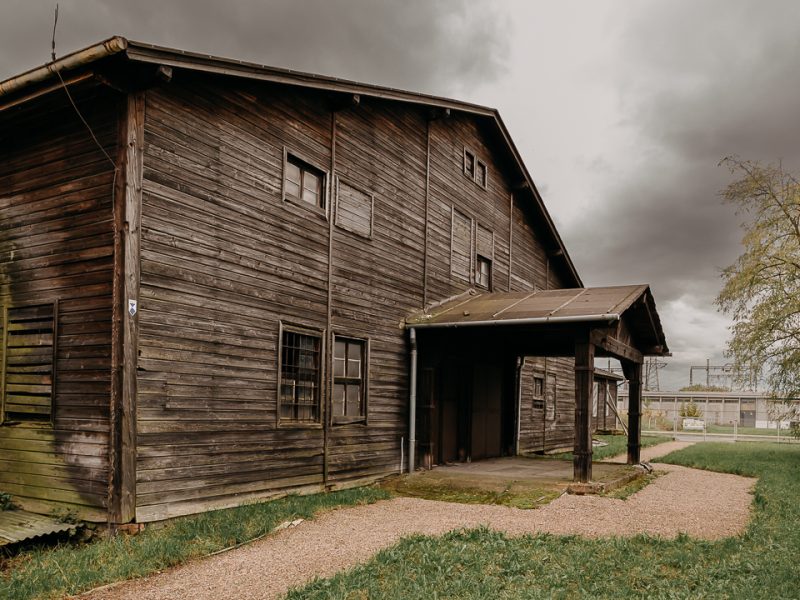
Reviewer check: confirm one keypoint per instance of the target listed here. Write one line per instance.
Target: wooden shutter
(29, 347)
(354, 210)
(461, 246)
(485, 242)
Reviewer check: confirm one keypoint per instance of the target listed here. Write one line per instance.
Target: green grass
(761, 563)
(746, 430)
(70, 569)
(476, 489)
(618, 444)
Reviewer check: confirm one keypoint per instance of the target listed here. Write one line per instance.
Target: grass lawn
(618, 444)
(762, 563)
(70, 569)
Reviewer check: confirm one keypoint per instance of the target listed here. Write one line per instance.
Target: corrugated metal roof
(576, 305)
(20, 525)
(581, 304)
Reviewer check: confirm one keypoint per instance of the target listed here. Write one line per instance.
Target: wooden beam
(633, 371)
(616, 348)
(130, 299)
(584, 378)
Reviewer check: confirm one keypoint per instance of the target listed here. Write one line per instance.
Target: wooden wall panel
(223, 261)
(380, 148)
(56, 244)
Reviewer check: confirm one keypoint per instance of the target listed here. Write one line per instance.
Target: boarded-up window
(29, 345)
(354, 210)
(300, 376)
(349, 379)
(551, 397)
(461, 246)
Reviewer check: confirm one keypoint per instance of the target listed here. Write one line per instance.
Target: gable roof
(19, 89)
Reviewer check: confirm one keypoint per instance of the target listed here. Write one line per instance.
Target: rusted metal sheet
(589, 304)
(19, 525)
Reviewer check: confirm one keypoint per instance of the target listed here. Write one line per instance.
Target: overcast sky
(622, 111)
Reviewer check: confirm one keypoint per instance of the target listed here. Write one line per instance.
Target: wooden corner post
(634, 375)
(584, 376)
(125, 334)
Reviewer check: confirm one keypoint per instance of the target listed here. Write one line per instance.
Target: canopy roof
(596, 305)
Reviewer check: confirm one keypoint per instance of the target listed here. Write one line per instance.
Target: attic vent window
(28, 363)
(303, 183)
(475, 168)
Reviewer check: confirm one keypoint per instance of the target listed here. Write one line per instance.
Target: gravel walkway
(703, 504)
(653, 452)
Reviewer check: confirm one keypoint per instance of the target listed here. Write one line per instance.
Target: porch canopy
(619, 322)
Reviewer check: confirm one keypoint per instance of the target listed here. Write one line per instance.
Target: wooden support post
(634, 374)
(584, 376)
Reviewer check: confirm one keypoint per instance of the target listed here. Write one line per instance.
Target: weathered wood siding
(451, 189)
(224, 260)
(381, 149)
(56, 244)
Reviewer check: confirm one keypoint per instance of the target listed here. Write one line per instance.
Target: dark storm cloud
(701, 81)
(442, 47)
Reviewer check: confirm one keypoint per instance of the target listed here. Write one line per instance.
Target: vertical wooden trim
(133, 172)
(547, 273)
(634, 412)
(327, 369)
(427, 213)
(3, 367)
(510, 237)
(54, 368)
(584, 376)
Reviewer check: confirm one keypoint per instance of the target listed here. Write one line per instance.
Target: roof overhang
(34, 82)
(596, 308)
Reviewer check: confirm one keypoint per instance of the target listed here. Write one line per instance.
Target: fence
(716, 415)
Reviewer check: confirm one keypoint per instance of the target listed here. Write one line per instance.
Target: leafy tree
(761, 290)
(690, 409)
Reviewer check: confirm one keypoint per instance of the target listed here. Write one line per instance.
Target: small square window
(303, 183)
(480, 174)
(469, 164)
(475, 168)
(483, 272)
(538, 393)
(349, 380)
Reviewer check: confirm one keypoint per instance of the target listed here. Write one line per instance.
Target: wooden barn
(221, 281)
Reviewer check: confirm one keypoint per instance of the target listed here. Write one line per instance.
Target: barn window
(475, 168)
(28, 363)
(303, 183)
(461, 246)
(538, 392)
(483, 272)
(484, 248)
(349, 380)
(551, 397)
(469, 164)
(300, 376)
(354, 210)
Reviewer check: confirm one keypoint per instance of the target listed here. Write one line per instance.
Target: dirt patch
(700, 503)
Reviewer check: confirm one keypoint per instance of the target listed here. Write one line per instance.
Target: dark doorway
(466, 412)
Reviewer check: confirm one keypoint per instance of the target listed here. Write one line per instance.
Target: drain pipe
(412, 418)
(520, 364)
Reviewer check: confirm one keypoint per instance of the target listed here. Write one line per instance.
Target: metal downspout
(412, 417)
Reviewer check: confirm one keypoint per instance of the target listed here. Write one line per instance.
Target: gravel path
(652, 452)
(703, 504)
